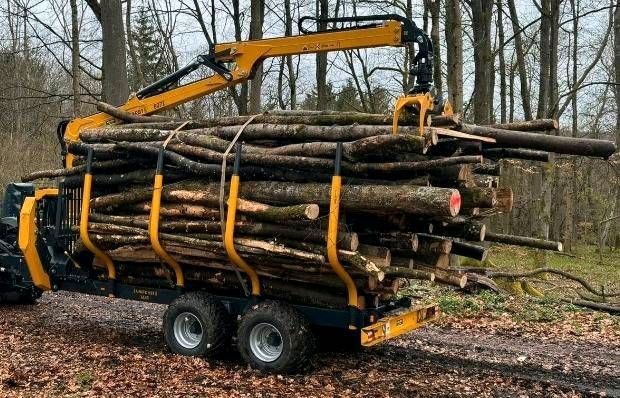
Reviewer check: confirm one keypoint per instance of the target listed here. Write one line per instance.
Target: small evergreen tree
(347, 98)
(310, 100)
(149, 51)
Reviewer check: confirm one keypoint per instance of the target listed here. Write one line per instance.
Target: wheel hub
(187, 330)
(266, 342)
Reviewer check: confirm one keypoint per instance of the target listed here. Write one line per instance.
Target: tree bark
(478, 197)
(482, 12)
(115, 83)
(520, 55)
(515, 153)
(469, 250)
(257, 16)
(557, 144)
(617, 70)
(322, 11)
(544, 56)
(524, 241)
(434, 7)
(529, 125)
(462, 228)
(409, 199)
(75, 58)
(454, 54)
(502, 62)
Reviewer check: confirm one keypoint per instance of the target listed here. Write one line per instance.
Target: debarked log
(515, 153)
(478, 197)
(469, 250)
(524, 241)
(379, 146)
(544, 142)
(461, 228)
(387, 198)
(346, 240)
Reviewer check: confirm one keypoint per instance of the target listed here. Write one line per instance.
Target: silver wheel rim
(187, 330)
(266, 342)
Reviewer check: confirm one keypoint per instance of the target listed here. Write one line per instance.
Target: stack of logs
(409, 201)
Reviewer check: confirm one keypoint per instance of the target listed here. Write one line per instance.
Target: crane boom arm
(245, 56)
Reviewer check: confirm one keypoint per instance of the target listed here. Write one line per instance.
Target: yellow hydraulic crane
(235, 62)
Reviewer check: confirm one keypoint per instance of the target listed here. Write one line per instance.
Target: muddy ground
(73, 345)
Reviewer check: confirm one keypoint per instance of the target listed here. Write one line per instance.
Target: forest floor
(484, 345)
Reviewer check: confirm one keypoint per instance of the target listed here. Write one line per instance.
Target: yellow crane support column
(154, 222)
(27, 238)
(332, 239)
(229, 233)
(84, 236)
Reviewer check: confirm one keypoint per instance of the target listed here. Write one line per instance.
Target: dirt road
(72, 345)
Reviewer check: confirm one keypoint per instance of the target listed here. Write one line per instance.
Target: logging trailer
(41, 228)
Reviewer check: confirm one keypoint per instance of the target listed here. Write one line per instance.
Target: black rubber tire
(297, 337)
(213, 317)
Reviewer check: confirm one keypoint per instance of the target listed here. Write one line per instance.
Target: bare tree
(434, 7)
(288, 62)
(240, 98)
(454, 53)
(544, 60)
(617, 69)
(482, 13)
(115, 83)
(257, 16)
(75, 57)
(502, 63)
(554, 41)
(322, 10)
(520, 55)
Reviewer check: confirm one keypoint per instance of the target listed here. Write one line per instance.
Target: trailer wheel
(197, 324)
(273, 337)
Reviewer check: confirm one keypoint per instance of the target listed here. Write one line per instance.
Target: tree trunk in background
(322, 10)
(115, 84)
(554, 33)
(617, 69)
(482, 11)
(257, 16)
(292, 78)
(523, 77)
(617, 95)
(571, 199)
(502, 64)
(434, 8)
(408, 59)
(511, 92)
(551, 184)
(544, 43)
(546, 170)
(75, 57)
(454, 54)
(240, 98)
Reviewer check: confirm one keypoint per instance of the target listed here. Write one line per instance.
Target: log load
(408, 201)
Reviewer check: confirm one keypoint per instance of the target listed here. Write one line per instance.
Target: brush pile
(408, 200)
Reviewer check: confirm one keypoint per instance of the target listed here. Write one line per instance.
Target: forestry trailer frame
(39, 228)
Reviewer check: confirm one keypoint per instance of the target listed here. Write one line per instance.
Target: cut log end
(455, 203)
(312, 211)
